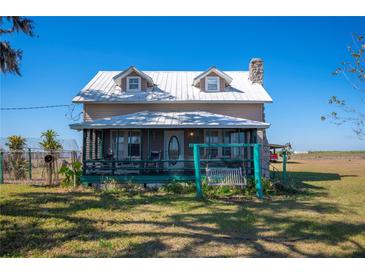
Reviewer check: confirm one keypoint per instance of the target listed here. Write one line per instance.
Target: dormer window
(212, 83)
(133, 83)
(132, 79)
(212, 80)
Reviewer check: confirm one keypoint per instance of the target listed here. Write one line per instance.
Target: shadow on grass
(301, 181)
(246, 226)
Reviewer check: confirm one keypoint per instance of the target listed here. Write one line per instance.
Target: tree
(16, 142)
(17, 163)
(354, 72)
(9, 57)
(50, 144)
(49, 141)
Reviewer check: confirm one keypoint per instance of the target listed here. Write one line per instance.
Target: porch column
(93, 144)
(101, 145)
(248, 152)
(87, 143)
(265, 152)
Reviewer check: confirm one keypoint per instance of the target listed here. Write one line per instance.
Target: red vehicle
(274, 156)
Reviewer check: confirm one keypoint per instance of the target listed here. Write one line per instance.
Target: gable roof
(117, 78)
(159, 119)
(226, 77)
(172, 86)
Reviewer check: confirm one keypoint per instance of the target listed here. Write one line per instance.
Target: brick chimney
(256, 71)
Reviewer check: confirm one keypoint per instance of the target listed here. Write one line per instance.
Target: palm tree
(52, 146)
(17, 163)
(9, 57)
(16, 143)
(49, 141)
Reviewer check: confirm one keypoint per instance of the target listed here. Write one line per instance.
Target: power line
(36, 107)
(69, 115)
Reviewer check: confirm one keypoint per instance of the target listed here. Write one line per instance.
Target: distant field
(331, 154)
(338, 152)
(326, 218)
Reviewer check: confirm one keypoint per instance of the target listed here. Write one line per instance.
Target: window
(212, 137)
(125, 144)
(118, 145)
(225, 136)
(233, 137)
(133, 83)
(173, 149)
(134, 144)
(228, 138)
(212, 83)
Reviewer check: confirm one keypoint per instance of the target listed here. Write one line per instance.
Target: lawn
(326, 218)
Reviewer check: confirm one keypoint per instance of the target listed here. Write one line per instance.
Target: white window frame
(139, 83)
(212, 77)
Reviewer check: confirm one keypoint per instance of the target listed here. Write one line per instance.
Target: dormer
(212, 80)
(133, 80)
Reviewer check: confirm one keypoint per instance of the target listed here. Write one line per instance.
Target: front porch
(138, 154)
(155, 147)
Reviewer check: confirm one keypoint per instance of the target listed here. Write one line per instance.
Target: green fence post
(257, 170)
(30, 163)
(199, 192)
(1, 168)
(73, 161)
(284, 167)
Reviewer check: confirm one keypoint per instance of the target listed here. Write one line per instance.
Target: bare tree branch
(354, 73)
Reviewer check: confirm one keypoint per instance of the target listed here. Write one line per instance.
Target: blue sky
(299, 53)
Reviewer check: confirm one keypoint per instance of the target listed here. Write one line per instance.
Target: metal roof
(172, 86)
(149, 119)
(277, 146)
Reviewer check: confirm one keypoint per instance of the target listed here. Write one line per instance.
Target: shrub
(179, 188)
(111, 185)
(17, 164)
(249, 189)
(220, 191)
(69, 172)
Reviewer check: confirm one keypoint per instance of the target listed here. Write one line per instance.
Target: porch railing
(147, 167)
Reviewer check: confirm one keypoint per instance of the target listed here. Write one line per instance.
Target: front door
(174, 148)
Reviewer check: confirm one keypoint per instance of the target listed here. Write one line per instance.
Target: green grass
(326, 219)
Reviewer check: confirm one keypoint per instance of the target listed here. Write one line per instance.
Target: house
(140, 123)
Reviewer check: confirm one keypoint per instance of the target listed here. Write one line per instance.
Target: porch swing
(225, 176)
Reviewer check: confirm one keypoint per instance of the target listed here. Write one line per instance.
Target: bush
(221, 191)
(268, 186)
(249, 190)
(17, 164)
(110, 185)
(69, 172)
(179, 188)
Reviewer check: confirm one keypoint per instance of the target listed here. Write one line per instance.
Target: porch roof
(149, 119)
